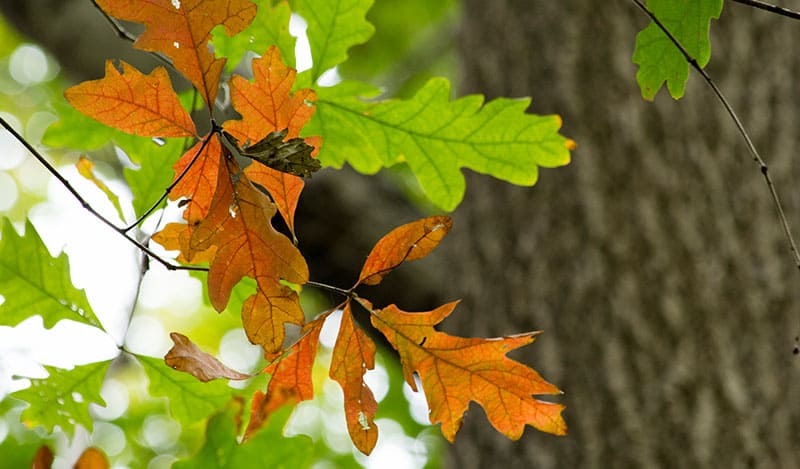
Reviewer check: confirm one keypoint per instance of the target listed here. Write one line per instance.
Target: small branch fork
(122, 231)
(771, 8)
(750, 147)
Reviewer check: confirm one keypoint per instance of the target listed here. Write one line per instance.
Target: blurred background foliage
(413, 41)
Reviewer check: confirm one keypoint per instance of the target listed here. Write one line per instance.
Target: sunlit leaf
(181, 30)
(409, 242)
(659, 59)
(290, 380)
(34, 283)
(85, 168)
(437, 137)
(239, 231)
(62, 399)
(144, 105)
(334, 26)
(353, 355)
(457, 370)
(267, 105)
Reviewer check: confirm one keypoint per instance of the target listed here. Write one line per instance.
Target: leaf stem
(771, 8)
(749, 143)
(52, 170)
(171, 186)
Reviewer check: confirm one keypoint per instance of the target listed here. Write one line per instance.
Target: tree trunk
(654, 262)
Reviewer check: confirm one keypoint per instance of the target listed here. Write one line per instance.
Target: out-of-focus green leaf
(269, 27)
(190, 400)
(17, 454)
(658, 58)
(267, 448)
(75, 131)
(437, 137)
(155, 171)
(402, 27)
(34, 283)
(63, 398)
(334, 26)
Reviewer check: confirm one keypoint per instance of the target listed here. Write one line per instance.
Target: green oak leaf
(269, 27)
(659, 59)
(437, 137)
(267, 448)
(35, 283)
(63, 397)
(190, 400)
(334, 26)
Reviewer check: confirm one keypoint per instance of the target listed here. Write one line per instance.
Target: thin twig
(171, 186)
(52, 170)
(332, 289)
(749, 143)
(771, 8)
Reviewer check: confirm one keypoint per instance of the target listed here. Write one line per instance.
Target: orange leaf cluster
(228, 224)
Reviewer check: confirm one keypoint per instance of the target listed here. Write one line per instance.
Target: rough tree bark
(654, 262)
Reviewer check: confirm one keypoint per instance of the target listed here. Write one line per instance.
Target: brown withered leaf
(186, 356)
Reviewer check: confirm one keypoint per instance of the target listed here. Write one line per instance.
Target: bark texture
(654, 262)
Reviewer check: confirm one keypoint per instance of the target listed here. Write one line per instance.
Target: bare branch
(171, 186)
(52, 170)
(751, 148)
(771, 8)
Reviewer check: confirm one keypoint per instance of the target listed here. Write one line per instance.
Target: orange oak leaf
(130, 101)
(43, 459)
(177, 237)
(200, 180)
(186, 356)
(238, 224)
(408, 242)
(268, 105)
(284, 188)
(290, 380)
(457, 370)
(181, 30)
(92, 458)
(353, 355)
